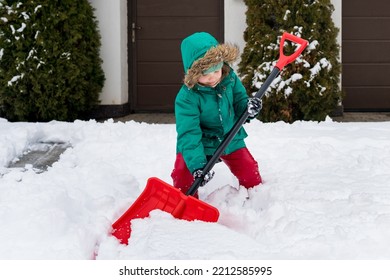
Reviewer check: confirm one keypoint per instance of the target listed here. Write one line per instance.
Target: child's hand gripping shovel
(160, 195)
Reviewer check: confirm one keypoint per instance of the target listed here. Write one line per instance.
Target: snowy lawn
(326, 194)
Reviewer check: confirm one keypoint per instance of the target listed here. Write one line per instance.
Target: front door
(156, 29)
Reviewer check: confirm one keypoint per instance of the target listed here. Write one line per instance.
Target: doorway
(156, 29)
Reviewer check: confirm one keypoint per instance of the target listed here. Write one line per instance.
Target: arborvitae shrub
(307, 89)
(50, 66)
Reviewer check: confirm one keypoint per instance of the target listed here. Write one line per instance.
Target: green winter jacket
(204, 115)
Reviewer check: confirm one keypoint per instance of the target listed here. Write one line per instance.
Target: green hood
(200, 51)
(195, 46)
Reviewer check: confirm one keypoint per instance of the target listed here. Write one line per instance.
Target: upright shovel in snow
(160, 195)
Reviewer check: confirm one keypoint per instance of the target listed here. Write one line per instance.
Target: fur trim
(227, 53)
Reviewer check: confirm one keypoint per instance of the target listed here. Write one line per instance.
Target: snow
(323, 63)
(312, 46)
(14, 79)
(286, 14)
(325, 194)
(22, 27)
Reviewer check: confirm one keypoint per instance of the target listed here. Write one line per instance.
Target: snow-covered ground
(326, 194)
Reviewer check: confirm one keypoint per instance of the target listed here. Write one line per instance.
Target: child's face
(212, 79)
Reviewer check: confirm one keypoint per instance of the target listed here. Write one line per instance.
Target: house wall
(337, 17)
(235, 22)
(112, 19)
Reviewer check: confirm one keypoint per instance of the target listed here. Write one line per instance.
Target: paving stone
(169, 118)
(40, 156)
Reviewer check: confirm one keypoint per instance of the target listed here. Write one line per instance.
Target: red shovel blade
(160, 195)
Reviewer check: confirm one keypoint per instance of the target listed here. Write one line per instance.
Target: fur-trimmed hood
(200, 51)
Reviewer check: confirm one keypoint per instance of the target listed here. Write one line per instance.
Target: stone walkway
(160, 118)
(169, 118)
(363, 117)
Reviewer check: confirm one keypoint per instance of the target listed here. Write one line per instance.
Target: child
(206, 107)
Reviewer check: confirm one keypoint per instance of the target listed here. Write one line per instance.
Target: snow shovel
(160, 195)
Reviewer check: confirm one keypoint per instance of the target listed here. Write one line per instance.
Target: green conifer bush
(307, 89)
(50, 68)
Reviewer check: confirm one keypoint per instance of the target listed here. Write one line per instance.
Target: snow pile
(325, 194)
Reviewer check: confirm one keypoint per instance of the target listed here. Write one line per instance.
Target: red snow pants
(241, 163)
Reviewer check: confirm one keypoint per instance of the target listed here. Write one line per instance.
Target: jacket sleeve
(189, 133)
(240, 96)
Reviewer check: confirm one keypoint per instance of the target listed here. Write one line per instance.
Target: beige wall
(112, 18)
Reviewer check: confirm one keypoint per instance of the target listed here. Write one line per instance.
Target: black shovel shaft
(233, 131)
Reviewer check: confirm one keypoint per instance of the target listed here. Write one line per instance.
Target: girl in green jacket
(208, 104)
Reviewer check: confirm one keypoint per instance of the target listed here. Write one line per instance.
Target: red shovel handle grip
(284, 59)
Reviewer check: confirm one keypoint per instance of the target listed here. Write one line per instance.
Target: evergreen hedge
(307, 89)
(50, 66)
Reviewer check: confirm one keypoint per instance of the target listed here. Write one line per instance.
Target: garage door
(366, 55)
(156, 30)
